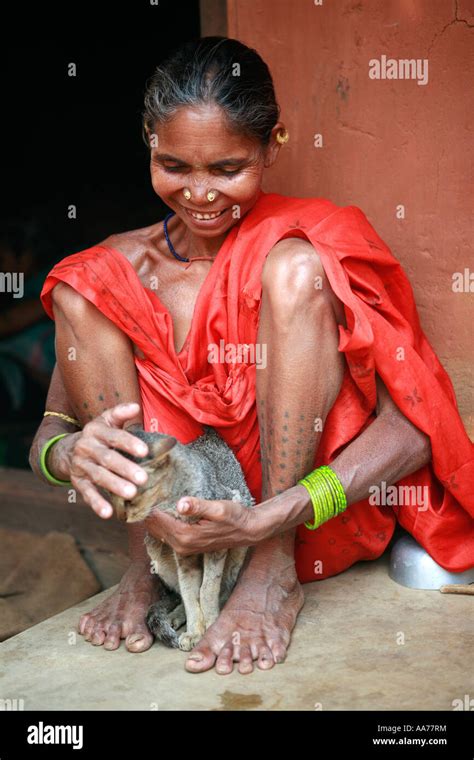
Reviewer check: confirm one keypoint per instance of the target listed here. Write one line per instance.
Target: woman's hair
(220, 71)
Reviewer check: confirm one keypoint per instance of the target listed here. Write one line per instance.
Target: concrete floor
(347, 653)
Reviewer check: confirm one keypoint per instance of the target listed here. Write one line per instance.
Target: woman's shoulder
(135, 244)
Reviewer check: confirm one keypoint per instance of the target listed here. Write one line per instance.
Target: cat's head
(158, 463)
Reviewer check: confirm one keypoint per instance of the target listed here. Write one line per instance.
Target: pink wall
(385, 142)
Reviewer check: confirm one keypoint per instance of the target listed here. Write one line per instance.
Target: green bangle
(327, 495)
(44, 469)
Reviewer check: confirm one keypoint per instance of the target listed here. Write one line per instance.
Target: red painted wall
(386, 142)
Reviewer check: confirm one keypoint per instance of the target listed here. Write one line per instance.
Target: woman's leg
(295, 392)
(98, 370)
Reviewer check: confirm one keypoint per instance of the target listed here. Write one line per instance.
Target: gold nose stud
(211, 196)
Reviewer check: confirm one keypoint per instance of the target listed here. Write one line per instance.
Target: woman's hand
(222, 525)
(92, 461)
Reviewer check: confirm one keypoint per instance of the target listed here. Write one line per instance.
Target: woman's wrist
(281, 513)
(58, 460)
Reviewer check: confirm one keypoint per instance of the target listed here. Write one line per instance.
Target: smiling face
(198, 151)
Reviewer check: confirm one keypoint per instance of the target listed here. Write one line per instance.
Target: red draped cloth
(181, 392)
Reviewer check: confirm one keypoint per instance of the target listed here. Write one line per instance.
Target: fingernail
(129, 490)
(141, 476)
(105, 512)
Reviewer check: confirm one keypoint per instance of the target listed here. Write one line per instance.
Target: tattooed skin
(288, 446)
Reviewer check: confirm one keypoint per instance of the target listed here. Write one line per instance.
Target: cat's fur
(194, 588)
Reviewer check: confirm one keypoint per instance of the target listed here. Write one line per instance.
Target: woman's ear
(274, 145)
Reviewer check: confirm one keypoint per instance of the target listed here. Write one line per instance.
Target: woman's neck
(208, 247)
(191, 246)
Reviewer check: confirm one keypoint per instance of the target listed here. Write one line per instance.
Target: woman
(164, 317)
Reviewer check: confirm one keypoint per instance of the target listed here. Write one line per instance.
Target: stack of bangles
(47, 446)
(327, 495)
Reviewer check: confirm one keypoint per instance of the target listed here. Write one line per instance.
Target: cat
(193, 589)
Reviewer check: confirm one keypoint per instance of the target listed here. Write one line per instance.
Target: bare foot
(257, 621)
(122, 615)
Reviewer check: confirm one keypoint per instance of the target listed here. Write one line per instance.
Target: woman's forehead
(203, 135)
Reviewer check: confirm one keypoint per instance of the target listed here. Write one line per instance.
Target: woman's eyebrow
(214, 164)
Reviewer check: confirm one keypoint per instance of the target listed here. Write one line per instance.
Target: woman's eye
(227, 172)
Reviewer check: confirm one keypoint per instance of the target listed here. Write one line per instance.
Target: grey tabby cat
(194, 588)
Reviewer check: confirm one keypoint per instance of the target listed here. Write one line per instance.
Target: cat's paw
(177, 617)
(188, 641)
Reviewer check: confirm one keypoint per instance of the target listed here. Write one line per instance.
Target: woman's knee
(293, 275)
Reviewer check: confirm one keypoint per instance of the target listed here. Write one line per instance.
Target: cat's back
(222, 459)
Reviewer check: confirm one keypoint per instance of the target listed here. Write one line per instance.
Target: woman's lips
(204, 216)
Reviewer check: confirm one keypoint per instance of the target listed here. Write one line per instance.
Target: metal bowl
(412, 566)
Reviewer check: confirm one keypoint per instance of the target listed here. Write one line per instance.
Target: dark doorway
(69, 140)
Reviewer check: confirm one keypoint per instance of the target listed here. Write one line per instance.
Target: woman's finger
(117, 465)
(191, 506)
(117, 415)
(92, 497)
(162, 525)
(101, 476)
(121, 439)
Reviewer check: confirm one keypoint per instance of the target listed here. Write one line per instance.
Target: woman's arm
(389, 449)
(105, 432)
(58, 458)
(95, 371)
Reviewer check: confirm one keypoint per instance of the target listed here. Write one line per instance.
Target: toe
(112, 640)
(98, 637)
(89, 629)
(84, 619)
(201, 658)
(225, 663)
(265, 658)
(279, 652)
(140, 640)
(244, 657)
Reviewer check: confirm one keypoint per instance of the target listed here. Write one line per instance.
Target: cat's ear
(159, 448)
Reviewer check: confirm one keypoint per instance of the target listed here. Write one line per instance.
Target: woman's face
(196, 150)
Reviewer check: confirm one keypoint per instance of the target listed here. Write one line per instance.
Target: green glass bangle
(44, 469)
(327, 495)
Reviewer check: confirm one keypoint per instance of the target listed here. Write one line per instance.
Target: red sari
(181, 392)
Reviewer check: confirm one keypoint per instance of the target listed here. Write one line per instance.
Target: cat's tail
(158, 616)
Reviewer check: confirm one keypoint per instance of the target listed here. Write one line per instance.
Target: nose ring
(211, 196)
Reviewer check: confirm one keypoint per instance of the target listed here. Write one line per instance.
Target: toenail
(196, 657)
